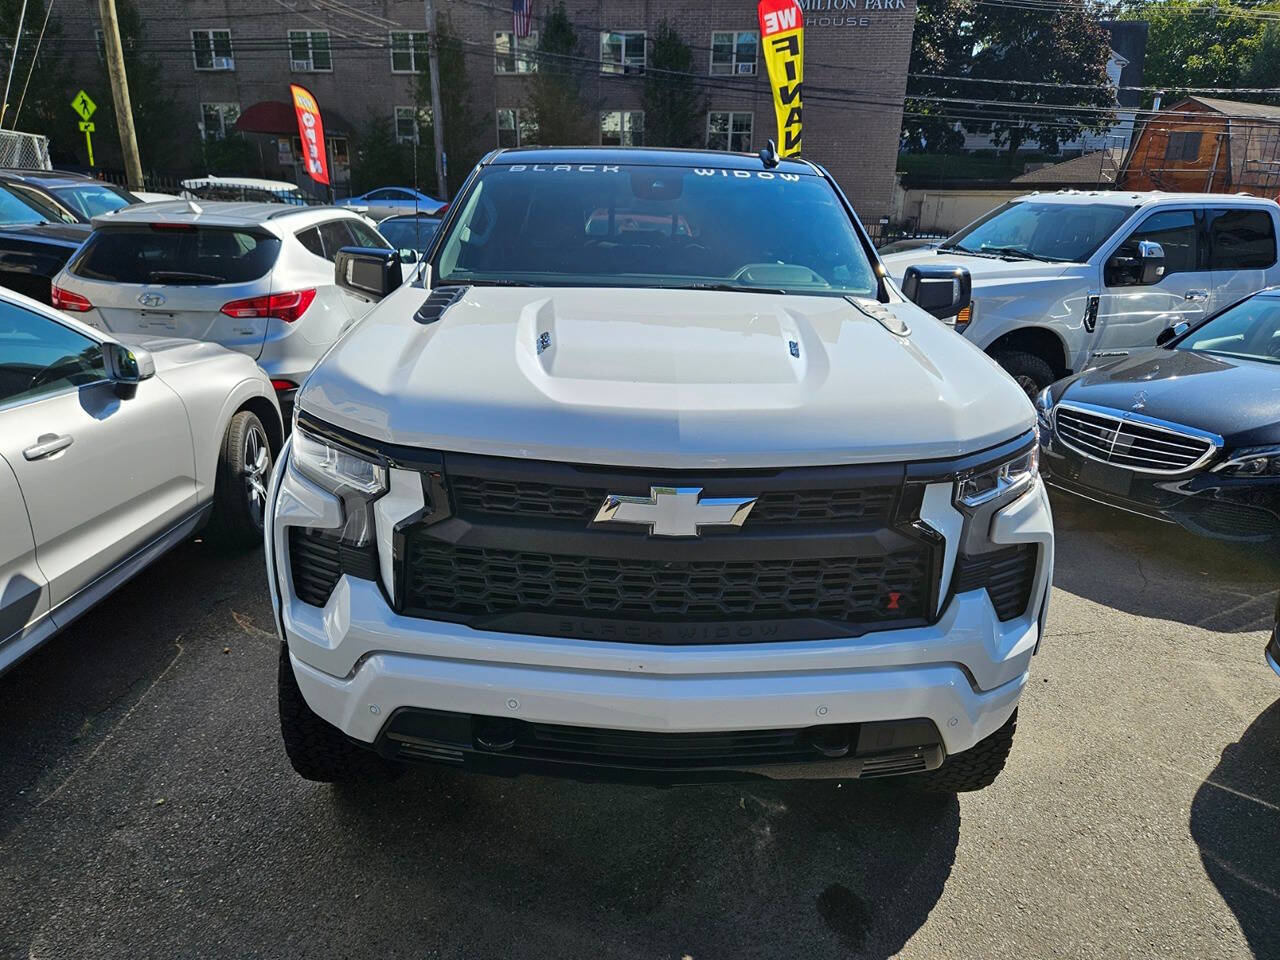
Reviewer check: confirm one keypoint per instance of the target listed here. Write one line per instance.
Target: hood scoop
(440, 300)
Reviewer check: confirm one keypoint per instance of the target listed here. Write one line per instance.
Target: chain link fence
(26, 150)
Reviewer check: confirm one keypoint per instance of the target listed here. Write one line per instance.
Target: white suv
(649, 473)
(1063, 280)
(255, 277)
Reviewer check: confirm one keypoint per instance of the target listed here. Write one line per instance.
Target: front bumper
(358, 663)
(1243, 509)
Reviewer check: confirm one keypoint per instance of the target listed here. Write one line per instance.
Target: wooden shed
(1205, 145)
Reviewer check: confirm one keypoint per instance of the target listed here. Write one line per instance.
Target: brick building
(230, 60)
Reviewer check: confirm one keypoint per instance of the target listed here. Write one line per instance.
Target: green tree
(673, 105)
(153, 108)
(379, 159)
(941, 46)
(43, 105)
(462, 126)
(560, 112)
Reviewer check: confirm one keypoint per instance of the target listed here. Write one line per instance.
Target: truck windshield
(593, 224)
(1027, 230)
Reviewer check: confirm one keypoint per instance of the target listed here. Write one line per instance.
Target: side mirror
(1150, 262)
(127, 367)
(938, 289)
(369, 273)
(1172, 333)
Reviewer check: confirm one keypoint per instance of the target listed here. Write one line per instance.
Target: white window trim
(213, 68)
(731, 114)
(413, 51)
(311, 53)
(220, 108)
(605, 66)
(755, 64)
(525, 49)
(622, 127)
(417, 114)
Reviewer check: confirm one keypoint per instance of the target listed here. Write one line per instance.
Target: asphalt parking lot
(147, 809)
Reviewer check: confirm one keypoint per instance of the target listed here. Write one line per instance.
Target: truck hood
(984, 270)
(663, 378)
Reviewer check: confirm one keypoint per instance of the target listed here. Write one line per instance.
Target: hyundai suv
(650, 471)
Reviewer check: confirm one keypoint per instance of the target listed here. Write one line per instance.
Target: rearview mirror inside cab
(369, 273)
(1139, 266)
(938, 289)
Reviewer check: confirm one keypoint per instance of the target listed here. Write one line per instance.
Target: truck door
(1242, 249)
(1131, 315)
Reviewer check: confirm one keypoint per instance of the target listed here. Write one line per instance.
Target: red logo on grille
(893, 601)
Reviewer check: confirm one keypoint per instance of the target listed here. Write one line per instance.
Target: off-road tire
(1032, 373)
(974, 768)
(317, 750)
(233, 524)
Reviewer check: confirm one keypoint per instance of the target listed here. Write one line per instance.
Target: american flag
(521, 17)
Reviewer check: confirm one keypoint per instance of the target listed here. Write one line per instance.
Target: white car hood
(984, 270)
(663, 378)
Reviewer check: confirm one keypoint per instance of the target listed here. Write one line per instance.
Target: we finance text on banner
(782, 35)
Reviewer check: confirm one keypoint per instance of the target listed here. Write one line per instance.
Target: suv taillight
(287, 306)
(66, 300)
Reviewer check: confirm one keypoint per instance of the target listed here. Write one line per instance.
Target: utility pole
(120, 93)
(437, 116)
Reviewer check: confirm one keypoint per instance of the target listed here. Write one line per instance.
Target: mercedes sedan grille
(1129, 440)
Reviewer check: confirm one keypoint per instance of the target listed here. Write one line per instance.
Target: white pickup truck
(648, 472)
(1063, 279)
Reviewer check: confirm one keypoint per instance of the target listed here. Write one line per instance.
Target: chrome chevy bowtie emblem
(151, 299)
(675, 511)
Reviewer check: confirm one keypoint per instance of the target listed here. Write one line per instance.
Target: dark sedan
(33, 249)
(1188, 432)
(70, 197)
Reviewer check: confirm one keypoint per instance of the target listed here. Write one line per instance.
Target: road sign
(87, 126)
(83, 104)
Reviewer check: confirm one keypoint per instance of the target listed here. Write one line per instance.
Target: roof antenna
(769, 155)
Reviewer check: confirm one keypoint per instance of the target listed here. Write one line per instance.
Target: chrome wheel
(257, 470)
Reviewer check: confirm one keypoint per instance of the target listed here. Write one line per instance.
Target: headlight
(352, 477)
(1004, 481)
(1044, 407)
(1252, 462)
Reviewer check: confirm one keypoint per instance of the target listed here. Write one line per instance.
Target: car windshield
(1250, 330)
(409, 233)
(594, 224)
(175, 254)
(91, 199)
(1027, 230)
(17, 212)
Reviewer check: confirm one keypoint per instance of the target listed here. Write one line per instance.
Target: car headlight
(1001, 481)
(354, 478)
(1252, 462)
(1044, 407)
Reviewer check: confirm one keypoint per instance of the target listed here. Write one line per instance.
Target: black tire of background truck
(973, 769)
(1032, 373)
(318, 750)
(234, 525)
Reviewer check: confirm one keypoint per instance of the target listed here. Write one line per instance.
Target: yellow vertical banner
(782, 36)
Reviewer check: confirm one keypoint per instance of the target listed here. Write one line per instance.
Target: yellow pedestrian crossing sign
(83, 105)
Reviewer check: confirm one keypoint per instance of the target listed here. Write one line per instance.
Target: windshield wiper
(956, 248)
(726, 288)
(179, 277)
(495, 282)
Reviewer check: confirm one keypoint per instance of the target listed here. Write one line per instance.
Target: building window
(729, 130)
(622, 128)
(309, 51)
(217, 119)
(408, 51)
(409, 120)
(622, 51)
(516, 128)
(212, 49)
(733, 52)
(1182, 146)
(513, 54)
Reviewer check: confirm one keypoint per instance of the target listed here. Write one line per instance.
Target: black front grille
(443, 578)
(1223, 518)
(318, 559)
(488, 496)
(1006, 574)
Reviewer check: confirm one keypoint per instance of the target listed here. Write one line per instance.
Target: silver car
(113, 450)
(255, 277)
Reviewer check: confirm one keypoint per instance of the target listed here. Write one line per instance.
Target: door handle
(1196, 295)
(47, 444)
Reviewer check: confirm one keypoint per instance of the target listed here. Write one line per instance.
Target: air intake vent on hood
(440, 300)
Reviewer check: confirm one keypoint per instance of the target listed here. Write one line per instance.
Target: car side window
(39, 356)
(399, 195)
(366, 236)
(335, 236)
(310, 239)
(1178, 235)
(1241, 240)
(378, 195)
